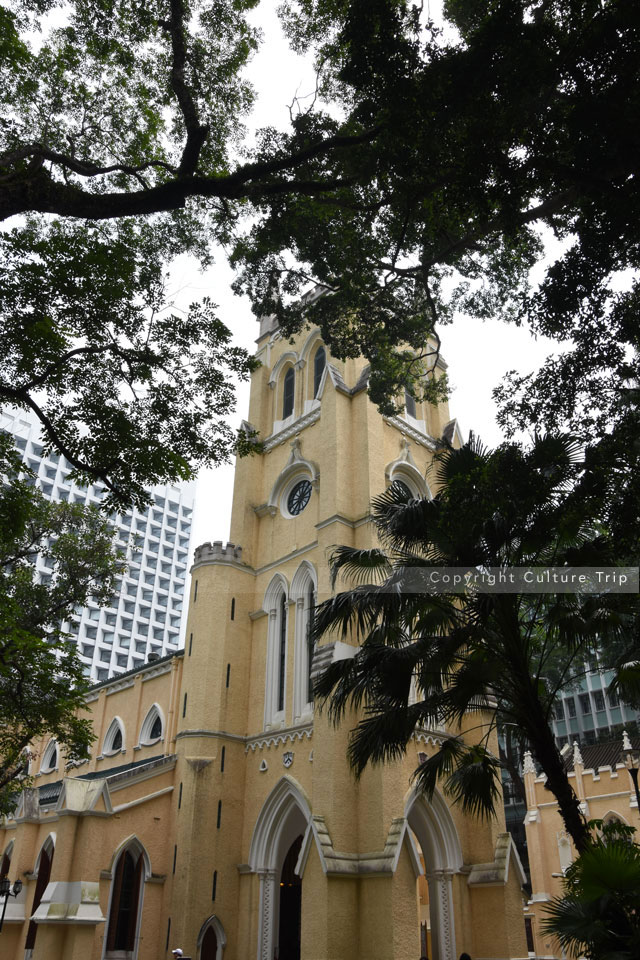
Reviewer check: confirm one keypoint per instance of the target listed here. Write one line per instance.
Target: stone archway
(211, 940)
(281, 824)
(433, 826)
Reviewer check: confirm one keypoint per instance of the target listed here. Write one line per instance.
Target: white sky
(478, 354)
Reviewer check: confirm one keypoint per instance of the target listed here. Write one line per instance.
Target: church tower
(279, 853)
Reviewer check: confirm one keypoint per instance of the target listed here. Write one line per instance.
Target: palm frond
(360, 566)
(475, 782)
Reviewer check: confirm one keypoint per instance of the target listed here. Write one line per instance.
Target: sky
(478, 354)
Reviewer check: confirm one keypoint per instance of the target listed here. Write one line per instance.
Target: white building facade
(147, 612)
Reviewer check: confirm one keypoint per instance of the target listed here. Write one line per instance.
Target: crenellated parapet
(217, 552)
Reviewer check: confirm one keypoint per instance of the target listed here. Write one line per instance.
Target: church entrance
(290, 905)
(209, 949)
(438, 848)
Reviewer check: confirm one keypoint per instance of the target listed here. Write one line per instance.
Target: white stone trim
(285, 432)
(283, 736)
(418, 436)
(75, 902)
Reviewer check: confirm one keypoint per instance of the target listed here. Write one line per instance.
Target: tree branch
(196, 132)
(21, 398)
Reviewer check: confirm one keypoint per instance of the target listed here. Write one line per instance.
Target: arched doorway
(209, 949)
(211, 940)
(275, 850)
(43, 869)
(290, 905)
(435, 832)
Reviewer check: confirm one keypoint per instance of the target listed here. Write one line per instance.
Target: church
(217, 812)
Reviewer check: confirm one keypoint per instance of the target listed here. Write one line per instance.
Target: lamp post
(632, 763)
(7, 891)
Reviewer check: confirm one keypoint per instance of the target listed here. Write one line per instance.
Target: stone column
(443, 937)
(266, 922)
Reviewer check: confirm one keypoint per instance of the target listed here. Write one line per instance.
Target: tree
(597, 916)
(520, 119)
(415, 184)
(131, 392)
(42, 686)
(472, 651)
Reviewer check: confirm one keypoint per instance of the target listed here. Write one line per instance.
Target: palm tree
(473, 651)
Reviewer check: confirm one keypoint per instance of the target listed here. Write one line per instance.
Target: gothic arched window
(125, 904)
(288, 388)
(5, 863)
(282, 651)
(410, 404)
(50, 758)
(114, 740)
(43, 871)
(319, 363)
(276, 606)
(152, 728)
(311, 609)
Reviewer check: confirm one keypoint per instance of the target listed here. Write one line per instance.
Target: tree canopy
(416, 183)
(42, 686)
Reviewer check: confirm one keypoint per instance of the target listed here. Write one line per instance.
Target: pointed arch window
(282, 651)
(44, 873)
(114, 740)
(319, 363)
(5, 862)
(126, 889)
(288, 389)
(153, 727)
(276, 604)
(50, 758)
(410, 404)
(311, 609)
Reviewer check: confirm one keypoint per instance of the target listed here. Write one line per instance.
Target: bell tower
(274, 838)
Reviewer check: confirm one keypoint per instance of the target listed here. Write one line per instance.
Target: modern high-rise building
(590, 711)
(146, 614)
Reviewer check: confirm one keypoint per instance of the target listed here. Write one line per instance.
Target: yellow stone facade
(244, 828)
(604, 788)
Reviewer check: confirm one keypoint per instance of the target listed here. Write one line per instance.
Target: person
(177, 953)
(464, 956)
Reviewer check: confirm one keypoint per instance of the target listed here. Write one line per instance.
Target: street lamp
(632, 763)
(6, 891)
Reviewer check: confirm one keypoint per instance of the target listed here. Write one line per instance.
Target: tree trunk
(546, 753)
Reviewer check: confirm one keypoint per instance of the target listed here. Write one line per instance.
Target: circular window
(299, 497)
(405, 488)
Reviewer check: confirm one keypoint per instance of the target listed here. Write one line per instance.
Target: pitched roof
(597, 755)
(48, 793)
(147, 665)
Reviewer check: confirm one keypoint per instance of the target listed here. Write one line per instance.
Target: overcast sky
(478, 354)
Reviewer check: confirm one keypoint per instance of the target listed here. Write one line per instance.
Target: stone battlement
(217, 551)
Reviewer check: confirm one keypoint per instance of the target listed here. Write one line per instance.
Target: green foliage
(496, 652)
(415, 183)
(597, 917)
(42, 685)
(131, 392)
